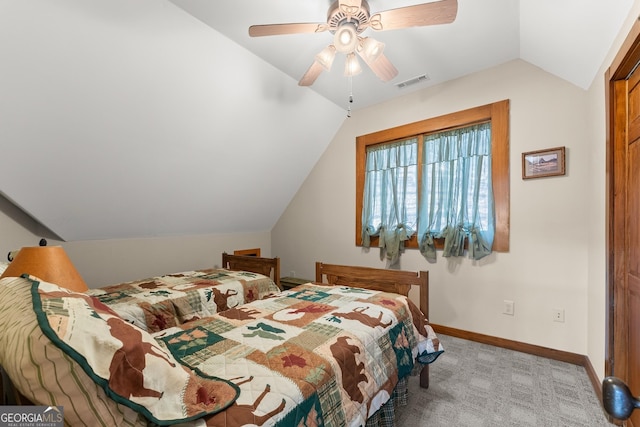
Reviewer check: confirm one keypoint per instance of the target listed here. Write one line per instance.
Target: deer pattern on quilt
(125, 372)
(240, 313)
(311, 308)
(358, 314)
(243, 414)
(221, 299)
(149, 285)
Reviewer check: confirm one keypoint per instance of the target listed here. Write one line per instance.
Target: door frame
(624, 63)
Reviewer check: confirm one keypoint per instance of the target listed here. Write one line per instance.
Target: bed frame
(377, 279)
(267, 266)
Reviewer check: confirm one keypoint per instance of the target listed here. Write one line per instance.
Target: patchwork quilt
(311, 356)
(126, 361)
(159, 303)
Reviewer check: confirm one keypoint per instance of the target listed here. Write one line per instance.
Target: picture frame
(543, 163)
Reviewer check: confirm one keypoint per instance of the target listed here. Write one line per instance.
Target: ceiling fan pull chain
(350, 96)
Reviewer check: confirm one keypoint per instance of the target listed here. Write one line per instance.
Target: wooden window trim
(498, 114)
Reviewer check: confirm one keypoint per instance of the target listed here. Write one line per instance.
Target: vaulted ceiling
(568, 38)
(123, 119)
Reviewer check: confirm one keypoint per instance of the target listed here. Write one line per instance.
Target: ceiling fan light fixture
(347, 19)
(352, 66)
(370, 49)
(345, 38)
(326, 57)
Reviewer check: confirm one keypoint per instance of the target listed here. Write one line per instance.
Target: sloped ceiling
(123, 118)
(120, 119)
(568, 38)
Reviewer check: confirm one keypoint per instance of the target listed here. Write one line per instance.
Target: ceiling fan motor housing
(346, 23)
(337, 16)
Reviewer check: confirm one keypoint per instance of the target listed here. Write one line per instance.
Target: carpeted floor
(479, 385)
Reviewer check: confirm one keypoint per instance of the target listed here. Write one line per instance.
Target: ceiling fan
(347, 19)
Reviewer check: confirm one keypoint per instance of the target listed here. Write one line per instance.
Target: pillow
(3, 266)
(125, 361)
(45, 374)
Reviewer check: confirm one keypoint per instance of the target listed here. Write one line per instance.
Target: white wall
(104, 262)
(138, 102)
(547, 264)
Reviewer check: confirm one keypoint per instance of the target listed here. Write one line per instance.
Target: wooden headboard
(267, 266)
(397, 281)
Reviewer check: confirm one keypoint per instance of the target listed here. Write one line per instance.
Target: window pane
(457, 180)
(391, 185)
(494, 171)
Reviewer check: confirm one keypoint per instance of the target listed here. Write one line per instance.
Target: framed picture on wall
(541, 163)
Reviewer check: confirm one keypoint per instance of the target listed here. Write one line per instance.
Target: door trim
(621, 67)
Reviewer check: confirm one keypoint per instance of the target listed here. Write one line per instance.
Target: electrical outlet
(292, 273)
(558, 315)
(508, 307)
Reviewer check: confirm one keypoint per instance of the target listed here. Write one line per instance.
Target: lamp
(326, 57)
(352, 66)
(47, 263)
(617, 398)
(345, 39)
(370, 49)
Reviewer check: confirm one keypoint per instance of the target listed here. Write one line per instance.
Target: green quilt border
(43, 322)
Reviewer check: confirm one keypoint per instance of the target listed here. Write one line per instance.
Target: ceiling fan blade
(381, 67)
(438, 12)
(280, 29)
(311, 75)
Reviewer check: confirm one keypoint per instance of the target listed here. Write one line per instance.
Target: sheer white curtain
(456, 192)
(390, 196)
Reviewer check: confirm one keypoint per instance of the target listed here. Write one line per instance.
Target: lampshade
(352, 66)
(48, 263)
(326, 57)
(345, 39)
(371, 49)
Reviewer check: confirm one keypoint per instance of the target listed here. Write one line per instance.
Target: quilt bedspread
(157, 303)
(124, 360)
(313, 355)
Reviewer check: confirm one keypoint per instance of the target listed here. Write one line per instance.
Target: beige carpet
(478, 385)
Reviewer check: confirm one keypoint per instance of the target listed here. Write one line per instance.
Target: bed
(241, 262)
(330, 352)
(157, 303)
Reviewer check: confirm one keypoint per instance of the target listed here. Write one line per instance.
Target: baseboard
(536, 350)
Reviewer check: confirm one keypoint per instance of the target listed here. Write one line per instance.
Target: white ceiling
(568, 38)
(126, 119)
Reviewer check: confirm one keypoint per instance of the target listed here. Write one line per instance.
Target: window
(394, 162)
(390, 201)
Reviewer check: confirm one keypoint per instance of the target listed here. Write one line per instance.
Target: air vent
(412, 81)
